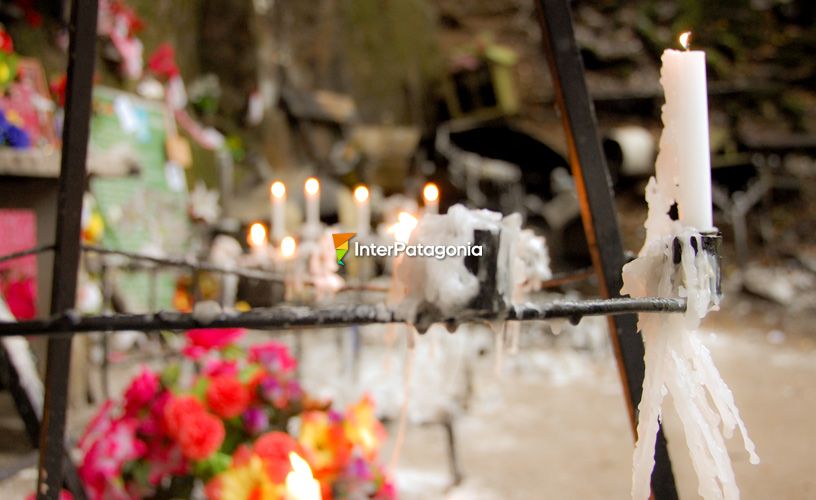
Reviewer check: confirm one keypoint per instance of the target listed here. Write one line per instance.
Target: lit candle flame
(312, 186)
(278, 190)
(406, 223)
(430, 193)
(256, 236)
(685, 40)
(288, 247)
(300, 482)
(361, 194)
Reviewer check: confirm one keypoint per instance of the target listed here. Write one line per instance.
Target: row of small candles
(257, 233)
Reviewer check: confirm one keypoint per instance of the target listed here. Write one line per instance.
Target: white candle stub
(361, 199)
(277, 192)
(311, 190)
(683, 167)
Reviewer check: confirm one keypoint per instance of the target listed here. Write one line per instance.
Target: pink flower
(274, 356)
(64, 495)
(202, 340)
(98, 426)
(220, 368)
(153, 424)
(142, 390)
(102, 465)
(164, 460)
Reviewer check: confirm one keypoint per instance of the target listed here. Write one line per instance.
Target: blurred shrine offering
(18, 277)
(27, 105)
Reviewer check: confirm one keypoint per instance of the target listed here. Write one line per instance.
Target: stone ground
(554, 425)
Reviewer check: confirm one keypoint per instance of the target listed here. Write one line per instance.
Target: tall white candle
(277, 192)
(361, 199)
(683, 167)
(430, 198)
(312, 191)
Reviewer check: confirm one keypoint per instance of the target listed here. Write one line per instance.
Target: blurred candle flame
(406, 223)
(278, 190)
(300, 482)
(288, 247)
(430, 193)
(256, 236)
(312, 186)
(361, 194)
(685, 40)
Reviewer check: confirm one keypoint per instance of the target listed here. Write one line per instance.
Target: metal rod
(187, 264)
(592, 183)
(289, 317)
(25, 253)
(72, 180)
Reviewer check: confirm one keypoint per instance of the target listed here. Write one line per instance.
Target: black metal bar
(598, 211)
(81, 60)
(287, 317)
(25, 253)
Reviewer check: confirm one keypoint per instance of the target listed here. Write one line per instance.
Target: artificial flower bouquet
(238, 426)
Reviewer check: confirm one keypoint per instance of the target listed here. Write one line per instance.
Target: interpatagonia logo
(341, 245)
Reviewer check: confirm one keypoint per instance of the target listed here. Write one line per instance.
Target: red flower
(58, 88)
(163, 62)
(21, 298)
(274, 449)
(227, 397)
(6, 43)
(253, 384)
(201, 340)
(141, 391)
(200, 435)
(176, 412)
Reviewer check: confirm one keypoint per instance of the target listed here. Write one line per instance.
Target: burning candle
(277, 222)
(288, 248)
(312, 192)
(683, 167)
(300, 483)
(430, 197)
(256, 238)
(402, 229)
(361, 197)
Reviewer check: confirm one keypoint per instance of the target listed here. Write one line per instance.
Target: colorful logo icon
(341, 245)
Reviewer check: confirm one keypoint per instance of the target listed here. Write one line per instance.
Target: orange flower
(201, 435)
(198, 433)
(274, 449)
